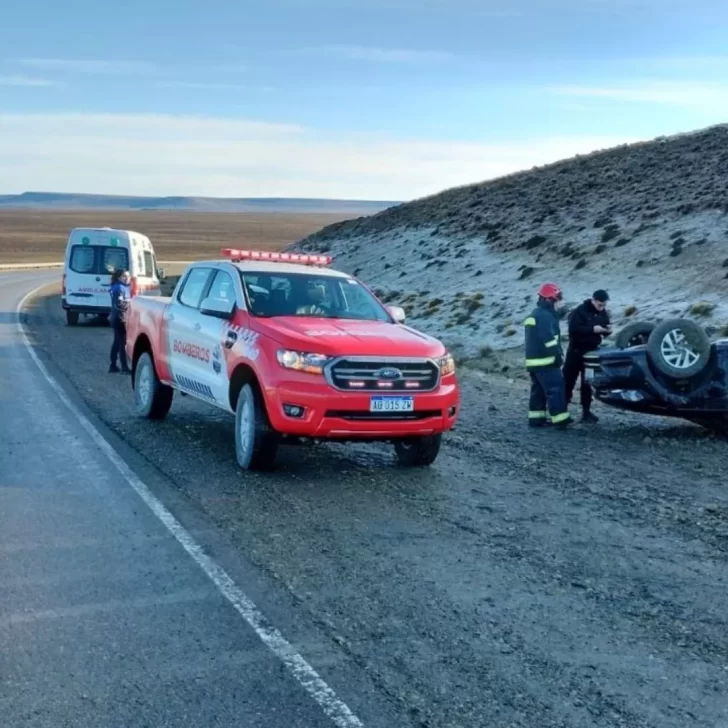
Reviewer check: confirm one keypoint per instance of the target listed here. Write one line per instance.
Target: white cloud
(216, 86)
(169, 155)
(713, 96)
(384, 55)
(25, 81)
(109, 67)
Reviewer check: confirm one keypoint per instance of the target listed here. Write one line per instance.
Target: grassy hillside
(648, 221)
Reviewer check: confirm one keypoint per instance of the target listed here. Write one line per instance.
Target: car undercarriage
(669, 369)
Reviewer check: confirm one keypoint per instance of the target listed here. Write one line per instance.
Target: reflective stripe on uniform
(530, 321)
(553, 342)
(559, 418)
(544, 362)
(537, 415)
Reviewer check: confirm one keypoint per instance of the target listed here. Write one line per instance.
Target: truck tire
(679, 348)
(418, 451)
(256, 442)
(634, 334)
(151, 398)
(71, 317)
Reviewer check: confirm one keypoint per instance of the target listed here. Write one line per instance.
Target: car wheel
(256, 442)
(151, 398)
(418, 451)
(634, 334)
(679, 348)
(71, 317)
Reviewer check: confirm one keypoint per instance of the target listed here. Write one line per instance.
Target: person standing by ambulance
(544, 357)
(120, 296)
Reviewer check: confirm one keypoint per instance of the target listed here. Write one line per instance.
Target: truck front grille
(362, 374)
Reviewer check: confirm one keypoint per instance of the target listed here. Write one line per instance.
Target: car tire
(634, 334)
(679, 348)
(418, 451)
(71, 317)
(256, 442)
(151, 398)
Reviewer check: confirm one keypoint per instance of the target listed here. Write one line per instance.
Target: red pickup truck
(295, 350)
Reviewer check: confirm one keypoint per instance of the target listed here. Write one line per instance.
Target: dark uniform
(119, 304)
(544, 357)
(583, 339)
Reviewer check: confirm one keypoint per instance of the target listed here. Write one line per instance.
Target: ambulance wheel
(418, 451)
(256, 442)
(71, 317)
(152, 398)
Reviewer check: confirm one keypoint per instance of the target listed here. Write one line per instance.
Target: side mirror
(161, 275)
(218, 308)
(397, 313)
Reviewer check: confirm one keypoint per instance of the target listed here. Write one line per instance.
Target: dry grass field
(40, 236)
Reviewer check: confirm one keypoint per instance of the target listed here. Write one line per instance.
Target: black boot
(589, 418)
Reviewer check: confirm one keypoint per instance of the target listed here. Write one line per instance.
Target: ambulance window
(194, 284)
(115, 259)
(83, 259)
(148, 264)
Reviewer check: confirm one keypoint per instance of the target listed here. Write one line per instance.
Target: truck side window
(192, 288)
(222, 288)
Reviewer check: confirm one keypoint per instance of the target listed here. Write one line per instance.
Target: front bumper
(330, 414)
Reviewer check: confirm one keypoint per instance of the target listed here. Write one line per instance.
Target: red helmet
(550, 291)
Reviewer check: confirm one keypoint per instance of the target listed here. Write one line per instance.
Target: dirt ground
(40, 236)
(570, 580)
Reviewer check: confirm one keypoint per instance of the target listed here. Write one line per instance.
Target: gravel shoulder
(570, 579)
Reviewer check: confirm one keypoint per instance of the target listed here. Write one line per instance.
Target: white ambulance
(92, 255)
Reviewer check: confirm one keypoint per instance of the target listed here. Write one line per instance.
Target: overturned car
(671, 369)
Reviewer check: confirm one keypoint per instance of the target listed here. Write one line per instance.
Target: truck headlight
(302, 361)
(446, 364)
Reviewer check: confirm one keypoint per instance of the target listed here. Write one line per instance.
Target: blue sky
(376, 99)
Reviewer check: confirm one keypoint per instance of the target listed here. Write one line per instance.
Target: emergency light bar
(238, 255)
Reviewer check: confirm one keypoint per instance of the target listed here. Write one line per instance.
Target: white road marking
(306, 676)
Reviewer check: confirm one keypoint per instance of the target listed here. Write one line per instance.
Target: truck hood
(335, 337)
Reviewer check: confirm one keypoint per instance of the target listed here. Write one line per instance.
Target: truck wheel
(256, 442)
(71, 317)
(152, 398)
(633, 335)
(418, 451)
(679, 348)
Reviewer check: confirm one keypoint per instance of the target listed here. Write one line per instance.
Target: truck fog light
(294, 410)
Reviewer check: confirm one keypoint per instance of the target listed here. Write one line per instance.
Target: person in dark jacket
(120, 296)
(588, 325)
(544, 357)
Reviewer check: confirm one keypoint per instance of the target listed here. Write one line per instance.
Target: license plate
(588, 374)
(391, 404)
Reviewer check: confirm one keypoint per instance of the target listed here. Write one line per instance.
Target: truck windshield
(304, 294)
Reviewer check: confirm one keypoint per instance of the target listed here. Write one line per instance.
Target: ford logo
(388, 373)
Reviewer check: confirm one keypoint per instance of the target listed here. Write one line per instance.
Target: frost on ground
(648, 222)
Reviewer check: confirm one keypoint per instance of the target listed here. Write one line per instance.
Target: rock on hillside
(648, 222)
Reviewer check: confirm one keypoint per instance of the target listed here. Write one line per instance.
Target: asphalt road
(105, 619)
(527, 579)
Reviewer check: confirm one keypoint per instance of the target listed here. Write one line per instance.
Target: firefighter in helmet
(544, 357)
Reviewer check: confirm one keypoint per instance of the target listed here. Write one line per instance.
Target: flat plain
(39, 236)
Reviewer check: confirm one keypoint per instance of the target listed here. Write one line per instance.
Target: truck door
(188, 357)
(223, 295)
